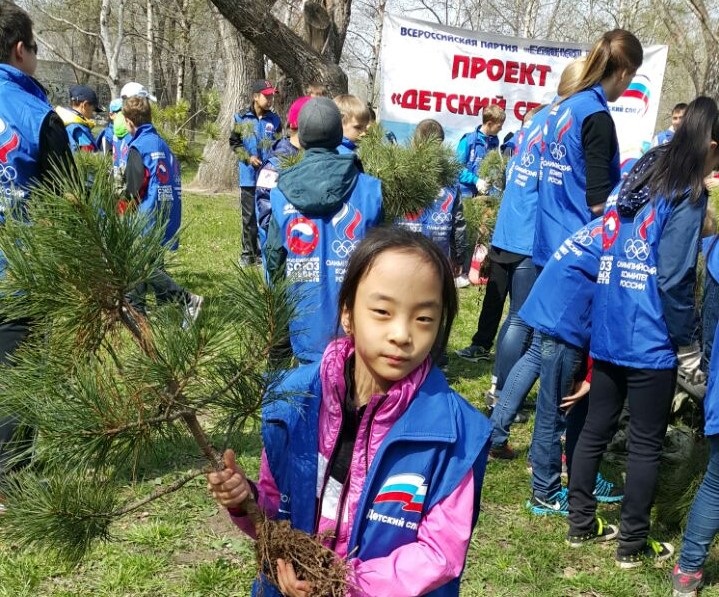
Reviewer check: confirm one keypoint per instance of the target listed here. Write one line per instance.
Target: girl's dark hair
(616, 50)
(15, 26)
(379, 240)
(680, 163)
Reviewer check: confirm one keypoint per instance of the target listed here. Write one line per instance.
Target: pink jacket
(443, 535)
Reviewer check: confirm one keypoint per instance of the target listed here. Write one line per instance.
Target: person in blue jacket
(284, 147)
(154, 186)
(472, 148)
(252, 136)
(33, 145)
(356, 117)
(104, 140)
(644, 326)
(373, 452)
(78, 118)
(321, 209)
(579, 165)
(668, 134)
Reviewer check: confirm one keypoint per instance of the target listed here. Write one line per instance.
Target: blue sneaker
(558, 504)
(607, 492)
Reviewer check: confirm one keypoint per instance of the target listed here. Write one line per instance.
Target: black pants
(15, 439)
(649, 393)
(493, 304)
(250, 249)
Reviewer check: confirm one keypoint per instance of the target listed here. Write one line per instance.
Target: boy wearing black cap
(251, 139)
(321, 208)
(78, 118)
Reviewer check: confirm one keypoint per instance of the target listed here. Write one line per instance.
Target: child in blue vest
(644, 327)
(78, 118)
(252, 136)
(474, 146)
(667, 135)
(269, 173)
(153, 185)
(355, 120)
(374, 451)
(321, 208)
(580, 158)
(104, 140)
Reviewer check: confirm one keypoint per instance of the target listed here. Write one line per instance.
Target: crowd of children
(375, 452)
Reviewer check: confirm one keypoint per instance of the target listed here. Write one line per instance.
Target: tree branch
(65, 21)
(158, 493)
(70, 61)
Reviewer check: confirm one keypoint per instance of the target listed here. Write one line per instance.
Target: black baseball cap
(83, 93)
(264, 87)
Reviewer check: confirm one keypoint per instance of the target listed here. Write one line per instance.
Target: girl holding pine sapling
(374, 452)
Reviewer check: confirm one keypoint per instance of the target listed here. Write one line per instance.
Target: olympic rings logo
(557, 150)
(583, 238)
(527, 159)
(441, 217)
(636, 248)
(343, 248)
(8, 174)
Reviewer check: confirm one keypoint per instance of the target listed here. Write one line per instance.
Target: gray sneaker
(474, 353)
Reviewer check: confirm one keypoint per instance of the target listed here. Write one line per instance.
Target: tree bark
(151, 58)
(285, 48)
(218, 169)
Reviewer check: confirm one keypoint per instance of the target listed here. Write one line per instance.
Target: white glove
(690, 359)
(482, 186)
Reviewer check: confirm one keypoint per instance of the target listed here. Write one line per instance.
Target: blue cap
(116, 105)
(83, 93)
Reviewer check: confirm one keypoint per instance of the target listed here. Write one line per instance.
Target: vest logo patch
(163, 172)
(408, 489)
(345, 224)
(302, 236)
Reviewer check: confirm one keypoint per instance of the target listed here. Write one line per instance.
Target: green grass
(184, 546)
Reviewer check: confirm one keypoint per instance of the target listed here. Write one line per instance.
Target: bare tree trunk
(218, 169)
(110, 47)
(151, 58)
(376, 48)
(184, 50)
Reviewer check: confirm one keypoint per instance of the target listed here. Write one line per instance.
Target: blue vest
(628, 318)
(104, 139)
(318, 250)
(560, 302)
(562, 207)
(347, 146)
(163, 200)
(516, 220)
(23, 109)
(435, 443)
(80, 137)
(437, 220)
(663, 137)
(120, 147)
(478, 145)
(711, 400)
(258, 135)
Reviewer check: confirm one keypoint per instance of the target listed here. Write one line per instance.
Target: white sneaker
(194, 306)
(462, 281)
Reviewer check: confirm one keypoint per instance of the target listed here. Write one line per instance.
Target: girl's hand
(229, 486)
(287, 579)
(581, 389)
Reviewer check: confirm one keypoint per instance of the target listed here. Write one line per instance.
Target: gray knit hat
(320, 124)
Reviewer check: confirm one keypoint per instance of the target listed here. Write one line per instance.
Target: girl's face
(396, 317)
(618, 83)
(712, 161)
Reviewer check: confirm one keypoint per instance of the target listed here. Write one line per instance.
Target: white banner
(450, 74)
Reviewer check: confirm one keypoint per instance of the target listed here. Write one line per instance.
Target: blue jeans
(519, 382)
(703, 521)
(560, 365)
(514, 335)
(710, 317)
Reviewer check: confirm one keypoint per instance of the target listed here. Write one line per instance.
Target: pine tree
(100, 381)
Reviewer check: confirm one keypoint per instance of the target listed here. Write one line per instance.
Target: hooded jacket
(321, 208)
(406, 513)
(644, 307)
